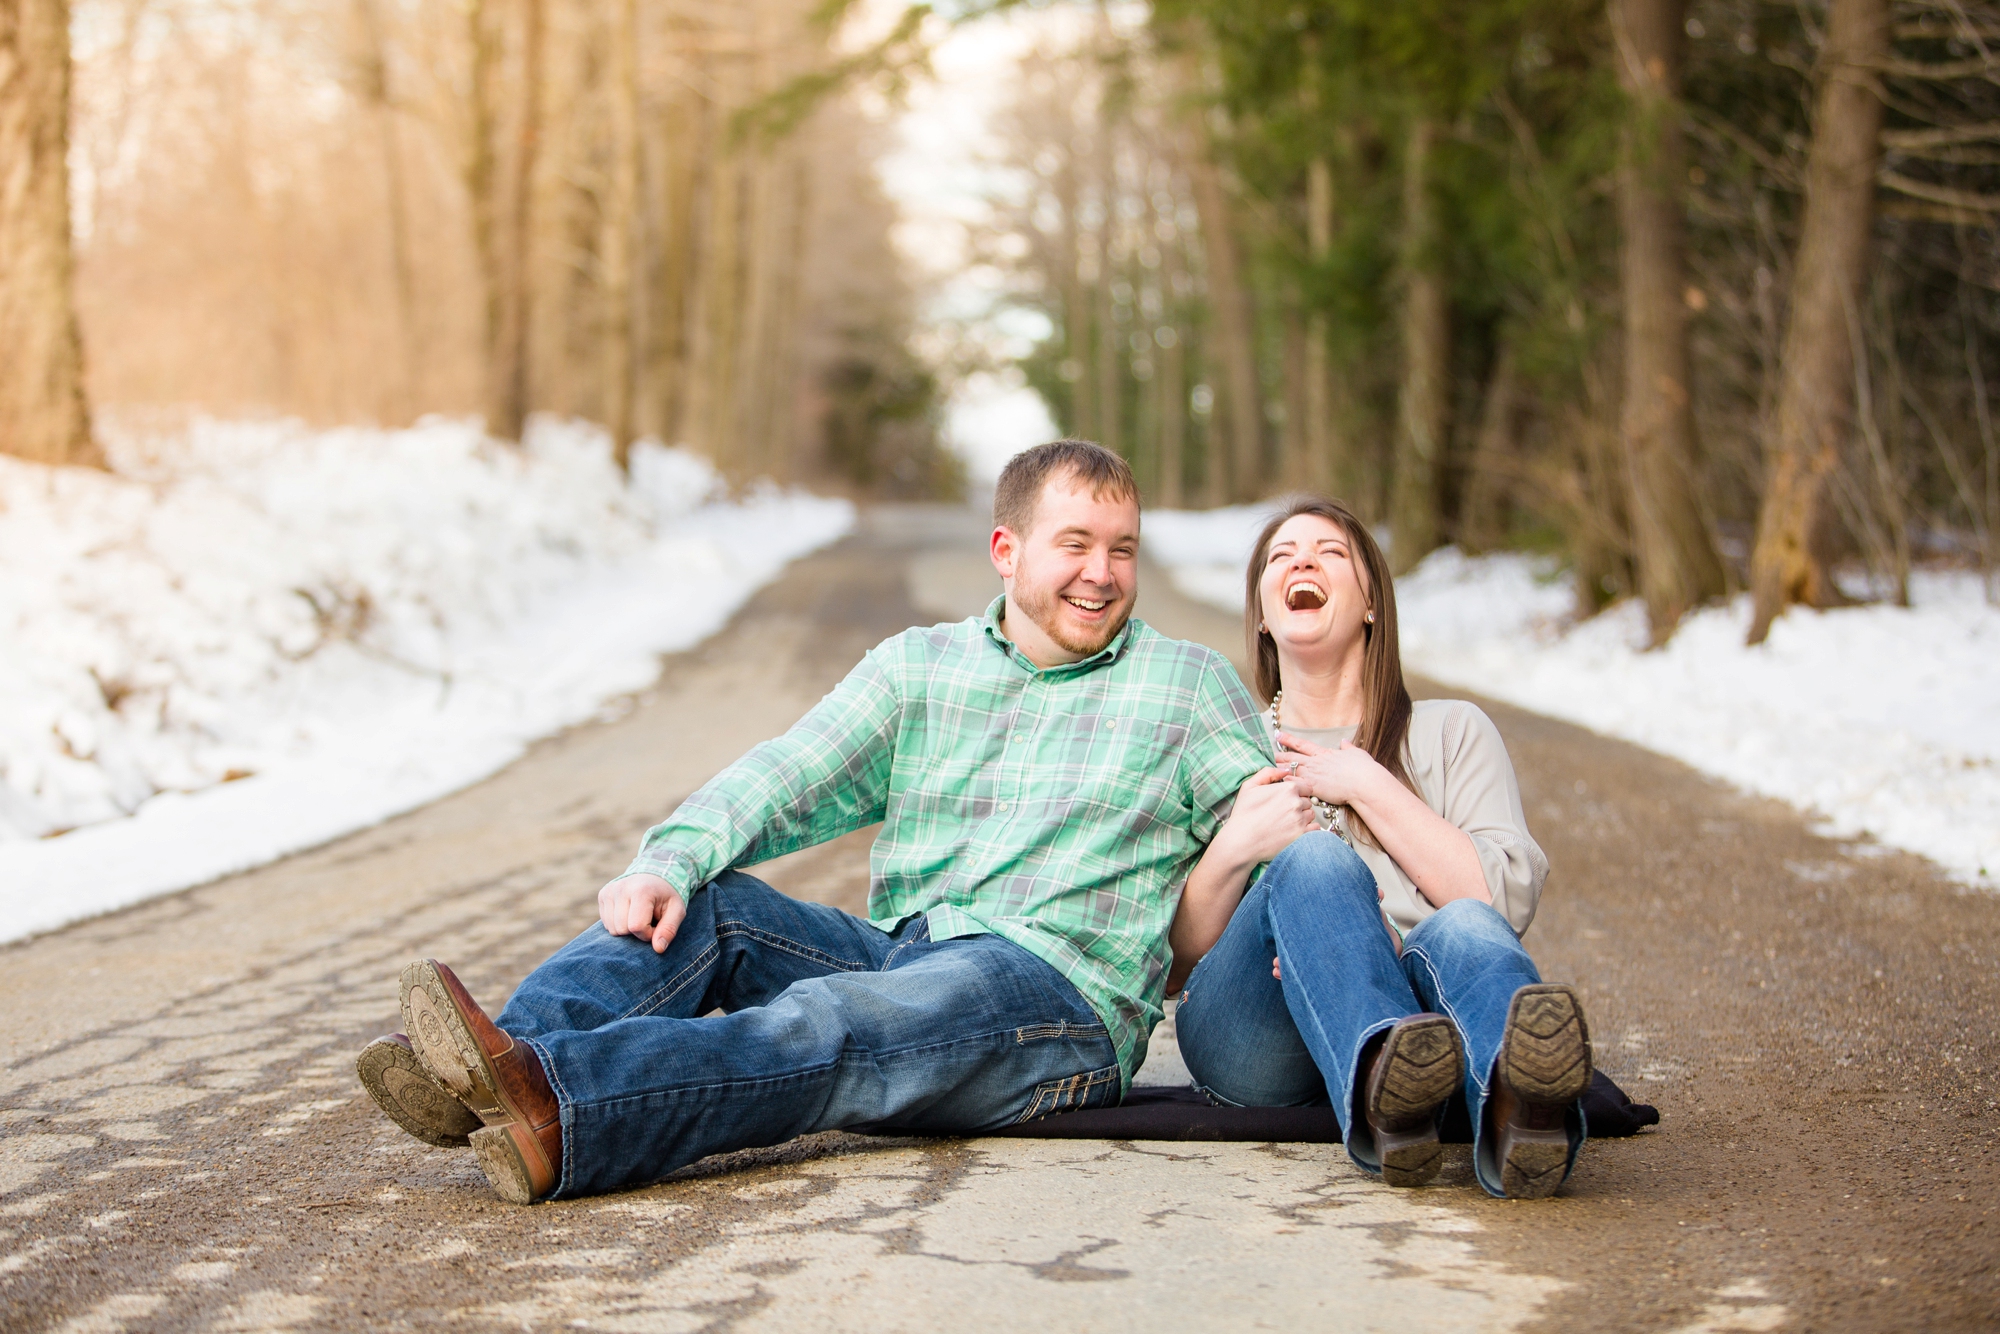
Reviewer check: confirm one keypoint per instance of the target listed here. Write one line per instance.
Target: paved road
(182, 1145)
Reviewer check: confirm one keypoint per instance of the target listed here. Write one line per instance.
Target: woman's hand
(1268, 815)
(1437, 856)
(1341, 777)
(1270, 812)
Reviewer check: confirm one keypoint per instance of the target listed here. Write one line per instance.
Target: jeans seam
(1464, 1041)
(674, 985)
(921, 936)
(789, 946)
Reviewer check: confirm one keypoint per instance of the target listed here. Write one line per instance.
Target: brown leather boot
(410, 1096)
(1415, 1069)
(1542, 1069)
(502, 1081)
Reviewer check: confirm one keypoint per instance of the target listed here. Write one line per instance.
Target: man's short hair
(1021, 482)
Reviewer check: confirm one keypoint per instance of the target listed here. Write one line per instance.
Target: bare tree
(482, 190)
(509, 368)
(1815, 409)
(1320, 434)
(1234, 335)
(1423, 410)
(43, 414)
(621, 227)
(1678, 564)
(372, 76)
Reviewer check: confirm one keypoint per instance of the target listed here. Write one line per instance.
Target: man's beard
(1043, 608)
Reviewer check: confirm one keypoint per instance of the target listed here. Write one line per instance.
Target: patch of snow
(251, 638)
(1881, 721)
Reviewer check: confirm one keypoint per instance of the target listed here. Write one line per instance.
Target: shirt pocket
(1125, 762)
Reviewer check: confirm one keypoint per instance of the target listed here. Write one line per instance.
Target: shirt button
(1019, 737)
(1110, 723)
(1001, 807)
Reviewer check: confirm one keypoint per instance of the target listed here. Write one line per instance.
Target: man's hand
(644, 906)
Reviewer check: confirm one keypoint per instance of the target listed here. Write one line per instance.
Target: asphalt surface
(183, 1146)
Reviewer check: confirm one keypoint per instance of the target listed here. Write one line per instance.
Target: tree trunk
(1816, 392)
(621, 222)
(683, 182)
(516, 284)
(482, 191)
(1320, 433)
(43, 414)
(382, 111)
(1173, 386)
(1482, 519)
(1075, 369)
(1678, 564)
(1240, 420)
(1423, 412)
(1294, 440)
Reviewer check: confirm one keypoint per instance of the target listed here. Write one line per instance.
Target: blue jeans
(1254, 1041)
(829, 1022)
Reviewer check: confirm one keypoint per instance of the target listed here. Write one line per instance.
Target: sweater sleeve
(1483, 797)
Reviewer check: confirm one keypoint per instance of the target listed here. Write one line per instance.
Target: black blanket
(1183, 1114)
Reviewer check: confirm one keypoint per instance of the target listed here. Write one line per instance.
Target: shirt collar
(1108, 653)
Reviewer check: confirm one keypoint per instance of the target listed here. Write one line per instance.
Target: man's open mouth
(1305, 597)
(1085, 603)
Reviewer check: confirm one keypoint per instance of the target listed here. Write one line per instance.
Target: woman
(1377, 960)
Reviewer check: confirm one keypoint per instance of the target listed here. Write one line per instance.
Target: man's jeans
(1254, 1041)
(829, 1022)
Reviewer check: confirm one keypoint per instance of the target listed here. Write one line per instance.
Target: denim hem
(563, 1104)
(1574, 1122)
(1354, 1120)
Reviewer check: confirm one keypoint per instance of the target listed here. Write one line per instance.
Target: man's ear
(1005, 551)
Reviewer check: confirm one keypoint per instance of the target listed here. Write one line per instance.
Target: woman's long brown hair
(1385, 716)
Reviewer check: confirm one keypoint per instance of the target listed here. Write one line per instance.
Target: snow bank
(252, 638)
(1880, 720)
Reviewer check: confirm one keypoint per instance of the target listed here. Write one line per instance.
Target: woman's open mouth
(1305, 597)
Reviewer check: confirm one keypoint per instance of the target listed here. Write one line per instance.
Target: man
(1045, 778)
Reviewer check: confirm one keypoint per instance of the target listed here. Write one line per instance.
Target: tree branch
(1911, 141)
(1939, 194)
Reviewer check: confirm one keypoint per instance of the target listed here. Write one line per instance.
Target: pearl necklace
(1330, 815)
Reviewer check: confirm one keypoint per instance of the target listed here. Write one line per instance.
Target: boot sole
(411, 1097)
(1532, 1170)
(1545, 1056)
(1421, 1067)
(447, 1047)
(500, 1158)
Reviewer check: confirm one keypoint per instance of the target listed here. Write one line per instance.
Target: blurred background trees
(375, 209)
(1700, 293)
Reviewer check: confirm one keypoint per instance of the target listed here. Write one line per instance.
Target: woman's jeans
(829, 1022)
(1254, 1041)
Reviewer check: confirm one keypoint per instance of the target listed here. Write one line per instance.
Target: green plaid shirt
(1061, 809)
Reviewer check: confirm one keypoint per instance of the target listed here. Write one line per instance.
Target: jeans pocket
(1092, 1088)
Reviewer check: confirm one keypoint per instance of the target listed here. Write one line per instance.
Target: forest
(1698, 295)
(372, 210)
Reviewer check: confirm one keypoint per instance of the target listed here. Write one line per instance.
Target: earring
(1263, 629)
(1370, 618)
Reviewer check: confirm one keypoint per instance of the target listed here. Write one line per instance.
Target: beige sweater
(1462, 772)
